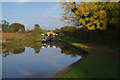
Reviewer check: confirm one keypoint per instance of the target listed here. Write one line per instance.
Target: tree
(37, 26)
(5, 26)
(57, 31)
(92, 15)
(17, 27)
(37, 29)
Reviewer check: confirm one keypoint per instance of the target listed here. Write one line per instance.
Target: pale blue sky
(46, 14)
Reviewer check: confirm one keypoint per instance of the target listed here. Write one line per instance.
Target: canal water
(37, 60)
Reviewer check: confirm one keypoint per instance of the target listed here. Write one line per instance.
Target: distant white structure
(51, 33)
(48, 46)
(54, 46)
(42, 34)
(42, 47)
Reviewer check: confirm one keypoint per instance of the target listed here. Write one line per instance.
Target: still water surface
(37, 60)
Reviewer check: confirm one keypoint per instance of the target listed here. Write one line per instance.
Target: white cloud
(44, 16)
(56, 17)
(39, 16)
(25, 72)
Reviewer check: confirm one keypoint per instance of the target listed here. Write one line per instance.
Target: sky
(46, 14)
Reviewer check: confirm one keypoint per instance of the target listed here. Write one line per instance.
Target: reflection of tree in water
(17, 50)
(36, 48)
(5, 54)
(65, 49)
(37, 51)
(13, 51)
(68, 50)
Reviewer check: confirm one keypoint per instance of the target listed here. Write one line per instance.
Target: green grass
(39, 45)
(14, 43)
(18, 43)
(95, 66)
(0, 46)
(38, 36)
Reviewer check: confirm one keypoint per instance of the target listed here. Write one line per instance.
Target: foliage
(17, 27)
(14, 27)
(57, 31)
(37, 29)
(105, 37)
(37, 26)
(103, 17)
(92, 15)
(5, 26)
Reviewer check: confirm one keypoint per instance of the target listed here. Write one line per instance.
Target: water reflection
(17, 50)
(65, 49)
(37, 60)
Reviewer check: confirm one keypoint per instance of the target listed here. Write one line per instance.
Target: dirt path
(113, 55)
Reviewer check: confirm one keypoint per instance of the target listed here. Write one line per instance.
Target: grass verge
(38, 36)
(97, 65)
(18, 43)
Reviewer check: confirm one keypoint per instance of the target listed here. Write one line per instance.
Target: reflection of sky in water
(47, 63)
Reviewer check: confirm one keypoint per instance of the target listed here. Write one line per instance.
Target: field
(16, 39)
(11, 37)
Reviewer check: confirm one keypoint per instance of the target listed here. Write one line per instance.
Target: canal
(37, 60)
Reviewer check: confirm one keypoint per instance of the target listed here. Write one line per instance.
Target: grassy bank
(38, 36)
(12, 40)
(16, 39)
(72, 40)
(18, 43)
(97, 65)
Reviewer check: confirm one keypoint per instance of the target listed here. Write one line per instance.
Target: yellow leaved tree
(92, 15)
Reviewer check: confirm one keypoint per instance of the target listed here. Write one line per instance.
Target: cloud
(44, 57)
(25, 73)
(56, 17)
(39, 16)
(44, 16)
(58, 65)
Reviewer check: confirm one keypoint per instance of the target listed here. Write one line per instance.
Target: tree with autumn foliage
(92, 15)
(99, 21)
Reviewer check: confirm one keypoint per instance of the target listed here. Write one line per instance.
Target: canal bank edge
(70, 67)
